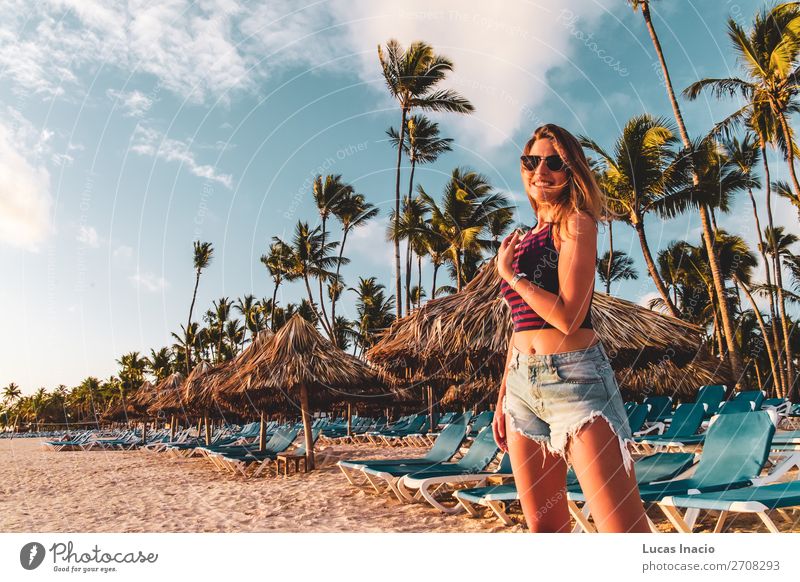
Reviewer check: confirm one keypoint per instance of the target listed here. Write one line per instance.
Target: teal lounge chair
(754, 396)
(637, 416)
(479, 456)
(660, 408)
(481, 421)
(444, 448)
(657, 467)
(755, 499)
(711, 395)
(735, 451)
(686, 421)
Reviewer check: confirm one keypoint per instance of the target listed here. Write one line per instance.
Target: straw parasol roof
(298, 354)
(167, 394)
(465, 335)
(223, 380)
(300, 366)
(131, 407)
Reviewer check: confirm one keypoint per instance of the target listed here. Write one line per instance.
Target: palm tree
(411, 76)
(409, 228)
(221, 316)
(708, 235)
(636, 175)
(615, 267)
(160, 363)
(353, 211)
(644, 6)
(11, 393)
(328, 194)
(436, 248)
(203, 252)
(422, 143)
(716, 178)
(467, 206)
(311, 257)
(131, 374)
(374, 312)
(278, 263)
(777, 247)
(745, 154)
(248, 307)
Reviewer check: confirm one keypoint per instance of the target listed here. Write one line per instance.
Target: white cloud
(502, 54)
(25, 199)
(191, 47)
(148, 282)
(645, 299)
(132, 103)
(87, 235)
(147, 141)
(123, 252)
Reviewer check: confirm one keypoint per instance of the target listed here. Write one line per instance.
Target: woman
(559, 398)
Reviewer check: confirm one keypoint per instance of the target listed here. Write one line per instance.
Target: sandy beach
(134, 491)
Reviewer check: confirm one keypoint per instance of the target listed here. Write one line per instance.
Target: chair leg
(469, 508)
(768, 522)
(720, 522)
(500, 511)
(675, 518)
(580, 518)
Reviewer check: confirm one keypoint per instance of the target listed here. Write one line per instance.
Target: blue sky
(129, 129)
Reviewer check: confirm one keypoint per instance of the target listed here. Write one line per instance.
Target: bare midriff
(552, 341)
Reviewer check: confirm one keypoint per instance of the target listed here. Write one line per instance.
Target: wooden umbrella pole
(208, 430)
(199, 427)
(172, 428)
(349, 420)
(430, 409)
(304, 408)
(144, 433)
(262, 433)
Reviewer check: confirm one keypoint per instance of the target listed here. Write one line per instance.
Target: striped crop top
(537, 257)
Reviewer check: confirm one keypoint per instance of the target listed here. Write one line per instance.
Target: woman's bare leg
(541, 482)
(612, 494)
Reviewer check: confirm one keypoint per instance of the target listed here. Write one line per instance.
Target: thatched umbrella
(225, 378)
(299, 361)
(130, 407)
(465, 335)
(166, 398)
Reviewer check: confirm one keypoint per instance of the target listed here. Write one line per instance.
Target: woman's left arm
(576, 267)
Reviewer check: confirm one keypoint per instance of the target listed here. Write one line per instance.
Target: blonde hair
(582, 193)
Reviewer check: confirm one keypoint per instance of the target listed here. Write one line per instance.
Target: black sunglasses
(553, 163)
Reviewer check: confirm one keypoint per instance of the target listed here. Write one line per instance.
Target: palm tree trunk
(338, 266)
(274, 298)
(458, 270)
(758, 375)
(309, 439)
(433, 285)
(770, 354)
(328, 326)
(719, 288)
(610, 256)
(397, 281)
(790, 390)
(676, 110)
(651, 267)
(189, 323)
(408, 275)
(762, 249)
(313, 305)
(419, 281)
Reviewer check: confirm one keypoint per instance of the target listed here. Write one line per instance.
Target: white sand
(134, 491)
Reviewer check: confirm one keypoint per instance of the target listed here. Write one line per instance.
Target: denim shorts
(550, 397)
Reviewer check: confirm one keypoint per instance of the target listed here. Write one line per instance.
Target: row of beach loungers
(706, 455)
(709, 454)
